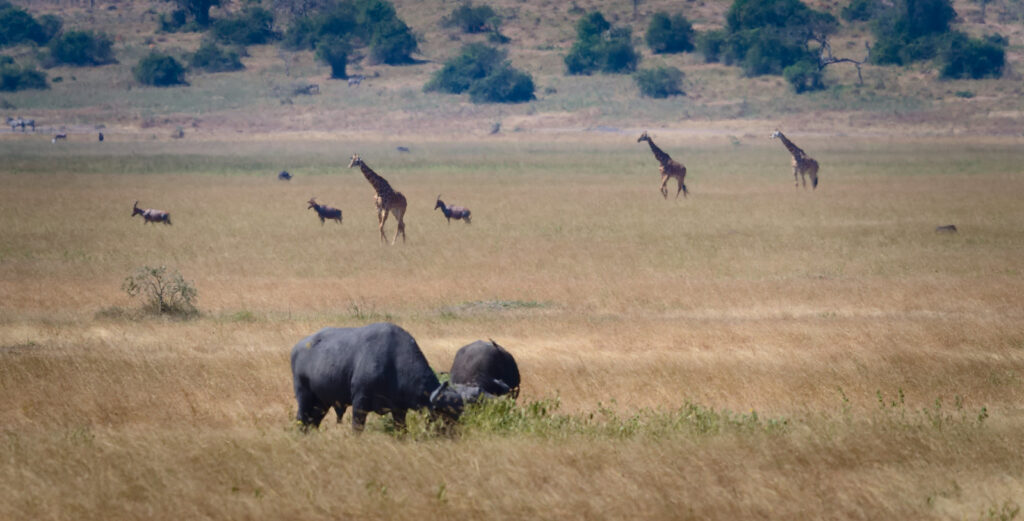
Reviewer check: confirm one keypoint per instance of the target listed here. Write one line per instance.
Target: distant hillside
(270, 95)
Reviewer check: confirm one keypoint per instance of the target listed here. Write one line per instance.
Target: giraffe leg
(383, 219)
(664, 186)
(796, 177)
(681, 188)
(400, 215)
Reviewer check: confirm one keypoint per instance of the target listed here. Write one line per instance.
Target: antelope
(149, 215)
(284, 176)
(62, 135)
(452, 212)
(324, 212)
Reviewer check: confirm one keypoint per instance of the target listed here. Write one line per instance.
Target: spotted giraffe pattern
(669, 168)
(388, 201)
(803, 165)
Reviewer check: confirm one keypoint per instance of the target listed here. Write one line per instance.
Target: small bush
(159, 70)
(162, 293)
(804, 76)
(659, 83)
(18, 26)
(253, 26)
(334, 52)
(392, 43)
(861, 10)
(472, 19)
(599, 47)
(82, 49)
(484, 72)
(360, 23)
(711, 45)
(173, 22)
(971, 58)
(669, 34)
(210, 57)
(14, 78)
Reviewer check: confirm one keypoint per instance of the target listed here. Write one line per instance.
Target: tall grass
(753, 351)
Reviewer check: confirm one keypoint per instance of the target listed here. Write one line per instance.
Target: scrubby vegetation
(370, 24)
(669, 34)
(486, 74)
(162, 292)
(159, 70)
(600, 47)
(334, 52)
(211, 57)
(253, 26)
(660, 82)
(82, 49)
(19, 26)
(14, 77)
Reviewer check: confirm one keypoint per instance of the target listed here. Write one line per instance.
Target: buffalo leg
(398, 416)
(311, 411)
(339, 409)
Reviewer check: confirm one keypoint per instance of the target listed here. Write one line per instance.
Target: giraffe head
(355, 161)
(643, 137)
(776, 134)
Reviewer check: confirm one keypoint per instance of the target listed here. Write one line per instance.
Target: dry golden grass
(748, 296)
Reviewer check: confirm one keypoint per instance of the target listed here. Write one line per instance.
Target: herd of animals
(391, 202)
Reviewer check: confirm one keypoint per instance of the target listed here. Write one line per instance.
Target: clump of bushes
(486, 74)
(18, 26)
(669, 34)
(162, 292)
(14, 77)
(472, 19)
(211, 57)
(861, 10)
(599, 47)
(373, 24)
(661, 82)
(253, 26)
(159, 70)
(82, 49)
(972, 58)
(334, 52)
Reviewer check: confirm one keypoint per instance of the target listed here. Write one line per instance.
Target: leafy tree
(360, 23)
(392, 43)
(334, 52)
(669, 34)
(18, 26)
(159, 70)
(211, 57)
(253, 26)
(199, 10)
(861, 10)
(804, 76)
(14, 77)
(82, 49)
(599, 47)
(174, 22)
(911, 30)
(661, 82)
(485, 73)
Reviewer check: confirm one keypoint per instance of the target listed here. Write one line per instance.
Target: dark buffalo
(488, 366)
(376, 368)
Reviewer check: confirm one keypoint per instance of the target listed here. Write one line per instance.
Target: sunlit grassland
(751, 351)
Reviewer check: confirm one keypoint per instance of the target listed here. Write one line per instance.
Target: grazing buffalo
(376, 368)
(488, 366)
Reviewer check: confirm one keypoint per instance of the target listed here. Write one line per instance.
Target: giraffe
(387, 199)
(803, 165)
(669, 168)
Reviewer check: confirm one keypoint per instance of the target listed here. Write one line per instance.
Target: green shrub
(211, 57)
(360, 23)
(485, 73)
(711, 44)
(198, 9)
(82, 49)
(659, 83)
(173, 22)
(804, 76)
(253, 26)
(911, 30)
(599, 47)
(334, 52)
(159, 70)
(162, 292)
(971, 58)
(472, 19)
(669, 34)
(13, 77)
(18, 26)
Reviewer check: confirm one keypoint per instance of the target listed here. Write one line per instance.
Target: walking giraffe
(387, 199)
(803, 165)
(669, 168)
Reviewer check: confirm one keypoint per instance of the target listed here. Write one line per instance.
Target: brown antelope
(150, 215)
(324, 212)
(452, 212)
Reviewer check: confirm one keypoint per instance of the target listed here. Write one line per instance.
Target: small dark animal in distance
(949, 228)
(101, 136)
(453, 212)
(402, 149)
(324, 212)
(284, 176)
(149, 215)
(62, 135)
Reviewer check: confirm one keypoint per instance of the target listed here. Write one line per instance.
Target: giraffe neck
(793, 149)
(380, 185)
(660, 155)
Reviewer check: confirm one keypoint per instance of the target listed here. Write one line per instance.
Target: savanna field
(752, 351)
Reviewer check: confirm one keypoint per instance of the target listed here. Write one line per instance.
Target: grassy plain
(753, 351)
